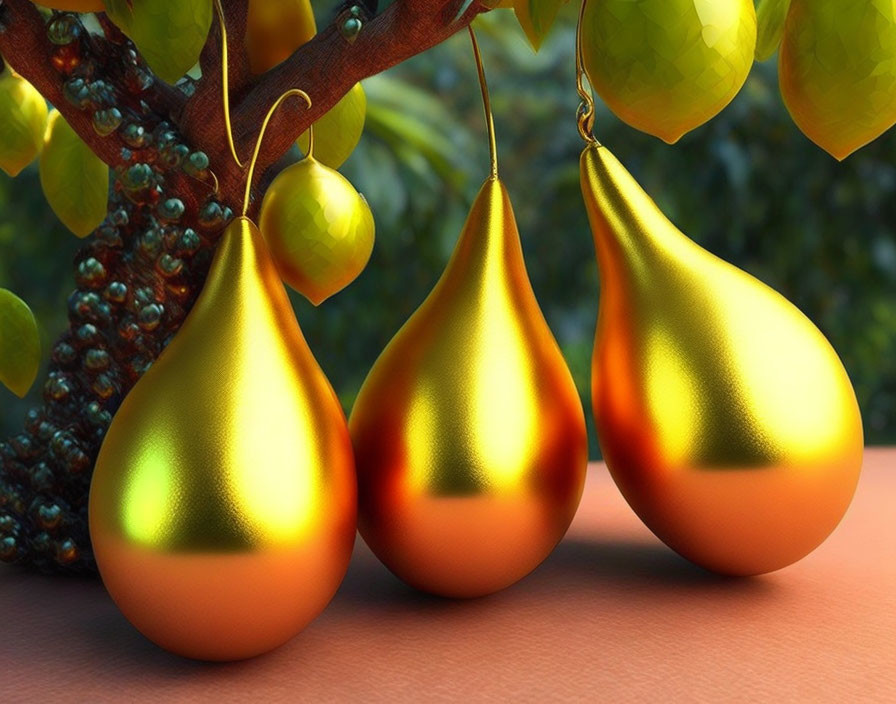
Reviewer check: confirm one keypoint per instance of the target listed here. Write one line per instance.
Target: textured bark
(140, 272)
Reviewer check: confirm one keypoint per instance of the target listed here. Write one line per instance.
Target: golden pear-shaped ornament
(75, 181)
(725, 416)
(469, 432)
(319, 229)
(223, 504)
(23, 120)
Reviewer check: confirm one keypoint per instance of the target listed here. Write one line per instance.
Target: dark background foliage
(748, 186)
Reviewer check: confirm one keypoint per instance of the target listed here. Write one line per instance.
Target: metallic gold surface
(469, 432)
(724, 415)
(667, 66)
(318, 227)
(223, 504)
(837, 71)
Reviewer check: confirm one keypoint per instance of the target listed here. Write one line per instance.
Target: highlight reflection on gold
(725, 416)
(231, 453)
(469, 433)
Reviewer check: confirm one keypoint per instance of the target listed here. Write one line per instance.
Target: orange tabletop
(611, 616)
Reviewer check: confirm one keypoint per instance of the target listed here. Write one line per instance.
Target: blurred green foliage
(748, 186)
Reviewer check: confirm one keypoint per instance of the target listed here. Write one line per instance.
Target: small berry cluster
(136, 280)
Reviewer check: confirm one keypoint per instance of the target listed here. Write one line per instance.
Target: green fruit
(318, 227)
(275, 29)
(667, 66)
(23, 118)
(75, 181)
(19, 344)
(837, 71)
(337, 133)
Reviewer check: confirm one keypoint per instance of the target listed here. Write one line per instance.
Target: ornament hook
(225, 88)
(264, 126)
(585, 112)
(225, 84)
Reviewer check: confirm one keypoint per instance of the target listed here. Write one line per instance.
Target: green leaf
(770, 16)
(74, 179)
(536, 17)
(169, 34)
(19, 344)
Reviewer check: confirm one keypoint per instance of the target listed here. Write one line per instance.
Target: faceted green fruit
(837, 71)
(170, 34)
(667, 66)
(74, 179)
(337, 133)
(19, 344)
(275, 29)
(23, 118)
(318, 227)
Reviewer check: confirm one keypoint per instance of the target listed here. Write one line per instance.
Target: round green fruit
(837, 71)
(667, 66)
(318, 227)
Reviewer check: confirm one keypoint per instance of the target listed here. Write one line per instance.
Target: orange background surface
(611, 616)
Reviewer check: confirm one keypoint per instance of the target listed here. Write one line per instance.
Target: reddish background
(612, 616)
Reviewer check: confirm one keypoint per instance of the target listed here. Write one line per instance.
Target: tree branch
(236, 14)
(326, 68)
(26, 48)
(157, 265)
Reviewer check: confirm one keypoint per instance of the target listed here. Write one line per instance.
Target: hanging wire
(487, 104)
(225, 90)
(225, 84)
(585, 113)
(310, 151)
(264, 127)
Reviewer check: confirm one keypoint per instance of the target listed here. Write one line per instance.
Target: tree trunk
(140, 272)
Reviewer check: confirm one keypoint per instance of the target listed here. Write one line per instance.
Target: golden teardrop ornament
(469, 432)
(223, 505)
(724, 415)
